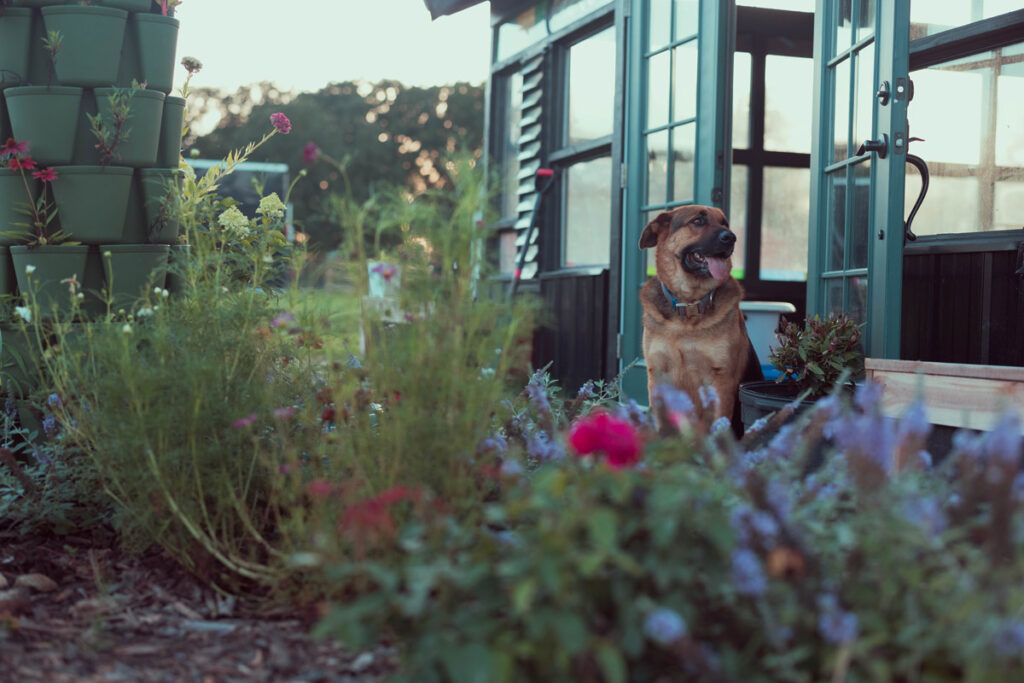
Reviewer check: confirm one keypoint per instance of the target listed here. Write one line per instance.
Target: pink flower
(243, 422)
(386, 270)
(282, 319)
(45, 174)
(284, 413)
(613, 436)
(26, 163)
(12, 148)
(310, 153)
(319, 488)
(281, 123)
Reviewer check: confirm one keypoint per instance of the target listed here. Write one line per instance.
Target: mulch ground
(80, 609)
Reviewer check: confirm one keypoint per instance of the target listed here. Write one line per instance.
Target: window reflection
(587, 208)
(565, 12)
(784, 223)
(657, 167)
(968, 112)
(741, 100)
(592, 87)
(787, 103)
(738, 217)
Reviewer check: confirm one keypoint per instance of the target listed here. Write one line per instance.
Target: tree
(386, 134)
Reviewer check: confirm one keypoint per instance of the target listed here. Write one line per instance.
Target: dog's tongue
(718, 267)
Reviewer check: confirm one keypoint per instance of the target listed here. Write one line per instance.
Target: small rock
(363, 662)
(14, 601)
(37, 582)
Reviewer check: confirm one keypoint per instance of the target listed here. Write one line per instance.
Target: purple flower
(868, 397)
(1008, 639)
(281, 123)
(243, 422)
(540, 447)
(282, 319)
(310, 153)
(53, 400)
(675, 404)
(496, 444)
(586, 391)
(510, 468)
(1003, 443)
(10, 408)
(664, 626)
(754, 527)
(284, 412)
(42, 458)
(722, 424)
(914, 424)
(927, 514)
(536, 393)
(708, 397)
(747, 573)
(783, 443)
(835, 624)
(50, 427)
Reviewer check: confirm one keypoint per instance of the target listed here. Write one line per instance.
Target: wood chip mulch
(80, 609)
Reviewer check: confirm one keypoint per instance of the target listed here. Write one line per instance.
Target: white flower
(157, 290)
(268, 259)
(164, 293)
(146, 310)
(271, 206)
(29, 269)
(107, 254)
(127, 329)
(234, 223)
(24, 312)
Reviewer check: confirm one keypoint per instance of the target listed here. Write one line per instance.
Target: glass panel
(564, 12)
(658, 89)
(835, 248)
(864, 94)
(834, 296)
(650, 268)
(951, 131)
(792, 5)
(683, 144)
(588, 208)
(741, 100)
(865, 19)
(841, 103)
(510, 145)
(951, 204)
(592, 87)
(857, 306)
(738, 217)
(1010, 104)
(787, 105)
(687, 18)
(1008, 212)
(660, 24)
(685, 97)
(657, 167)
(522, 32)
(861, 215)
(844, 26)
(784, 223)
(507, 252)
(929, 17)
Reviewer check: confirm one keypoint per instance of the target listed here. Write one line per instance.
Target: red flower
(45, 174)
(244, 421)
(281, 123)
(13, 148)
(615, 437)
(319, 488)
(328, 415)
(310, 153)
(21, 163)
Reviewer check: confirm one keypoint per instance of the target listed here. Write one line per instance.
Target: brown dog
(694, 332)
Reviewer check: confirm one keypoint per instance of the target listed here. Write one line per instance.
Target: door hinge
(623, 176)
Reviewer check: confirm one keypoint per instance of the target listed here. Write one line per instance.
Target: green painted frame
(885, 239)
(712, 153)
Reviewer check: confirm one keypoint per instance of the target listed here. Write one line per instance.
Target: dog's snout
(726, 238)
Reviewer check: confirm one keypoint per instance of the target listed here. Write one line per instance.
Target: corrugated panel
(530, 151)
(529, 133)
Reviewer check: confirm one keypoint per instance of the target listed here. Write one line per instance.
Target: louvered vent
(529, 162)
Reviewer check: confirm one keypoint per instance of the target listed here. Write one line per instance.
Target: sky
(306, 44)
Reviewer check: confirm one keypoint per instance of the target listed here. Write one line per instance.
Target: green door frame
(880, 223)
(711, 153)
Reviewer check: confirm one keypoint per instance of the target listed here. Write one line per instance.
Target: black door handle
(922, 168)
(879, 147)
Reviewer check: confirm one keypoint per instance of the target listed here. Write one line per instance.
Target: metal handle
(918, 163)
(879, 147)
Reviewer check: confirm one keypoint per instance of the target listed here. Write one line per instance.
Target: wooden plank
(1000, 373)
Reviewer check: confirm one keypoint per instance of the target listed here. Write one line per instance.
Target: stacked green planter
(119, 213)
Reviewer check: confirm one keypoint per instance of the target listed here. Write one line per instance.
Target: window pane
(787, 104)
(841, 130)
(866, 19)
(658, 88)
(951, 205)
(951, 131)
(857, 306)
(518, 34)
(844, 30)
(657, 167)
(929, 17)
(741, 100)
(1009, 128)
(738, 217)
(864, 92)
(792, 5)
(685, 105)
(660, 24)
(861, 215)
(592, 87)
(683, 143)
(784, 223)
(564, 12)
(510, 145)
(834, 296)
(588, 208)
(835, 248)
(507, 252)
(687, 18)
(1008, 213)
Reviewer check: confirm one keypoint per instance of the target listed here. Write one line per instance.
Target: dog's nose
(726, 238)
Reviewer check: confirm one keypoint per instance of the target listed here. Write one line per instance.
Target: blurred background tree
(387, 134)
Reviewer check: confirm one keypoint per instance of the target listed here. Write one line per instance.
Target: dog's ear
(649, 237)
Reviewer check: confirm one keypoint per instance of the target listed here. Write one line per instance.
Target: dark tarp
(441, 7)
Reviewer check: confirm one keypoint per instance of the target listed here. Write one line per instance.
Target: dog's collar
(699, 307)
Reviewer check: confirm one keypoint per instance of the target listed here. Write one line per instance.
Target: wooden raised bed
(955, 394)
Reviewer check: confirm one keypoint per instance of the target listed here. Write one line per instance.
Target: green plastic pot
(168, 155)
(128, 5)
(8, 283)
(15, 38)
(92, 201)
(12, 198)
(32, 3)
(132, 268)
(157, 38)
(91, 51)
(47, 117)
(161, 188)
(147, 110)
(53, 265)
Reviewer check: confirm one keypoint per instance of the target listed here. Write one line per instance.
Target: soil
(80, 609)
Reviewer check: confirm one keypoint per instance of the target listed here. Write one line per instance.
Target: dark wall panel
(574, 337)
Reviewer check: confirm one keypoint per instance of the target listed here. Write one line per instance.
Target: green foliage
(816, 356)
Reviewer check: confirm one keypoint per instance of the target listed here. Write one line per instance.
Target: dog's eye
(700, 220)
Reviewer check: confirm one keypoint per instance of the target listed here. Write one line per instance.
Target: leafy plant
(39, 211)
(112, 130)
(814, 357)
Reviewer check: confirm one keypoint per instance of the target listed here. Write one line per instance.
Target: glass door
(677, 136)
(861, 90)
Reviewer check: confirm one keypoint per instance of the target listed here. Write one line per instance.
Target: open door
(861, 90)
(677, 136)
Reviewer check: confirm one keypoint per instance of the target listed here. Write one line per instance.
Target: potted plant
(93, 37)
(15, 40)
(46, 114)
(811, 360)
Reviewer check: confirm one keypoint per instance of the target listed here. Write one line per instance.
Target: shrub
(814, 358)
